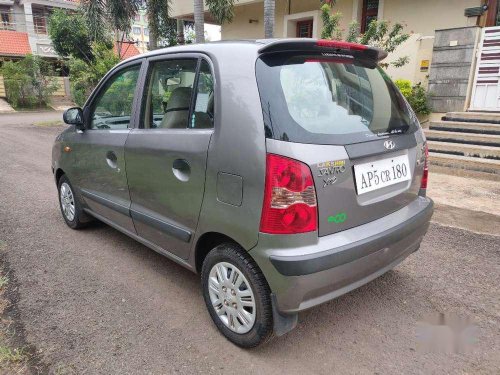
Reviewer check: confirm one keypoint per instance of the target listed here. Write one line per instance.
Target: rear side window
(171, 87)
(324, 100)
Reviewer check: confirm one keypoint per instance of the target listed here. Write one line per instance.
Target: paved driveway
(95, 301)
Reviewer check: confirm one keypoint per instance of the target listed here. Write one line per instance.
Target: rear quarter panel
(237, 147)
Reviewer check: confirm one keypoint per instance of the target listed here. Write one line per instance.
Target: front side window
(169, 92)
(112, 108)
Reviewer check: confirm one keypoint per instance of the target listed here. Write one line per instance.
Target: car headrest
(177, 109)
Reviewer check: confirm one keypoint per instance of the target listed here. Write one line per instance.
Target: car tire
(241, 312)
(71, 207)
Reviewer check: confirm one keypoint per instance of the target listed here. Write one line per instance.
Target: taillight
(289, 197)
(425, 175)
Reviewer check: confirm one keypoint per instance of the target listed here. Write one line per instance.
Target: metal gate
(486, 89)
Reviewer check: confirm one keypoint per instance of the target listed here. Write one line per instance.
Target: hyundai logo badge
(389, 144)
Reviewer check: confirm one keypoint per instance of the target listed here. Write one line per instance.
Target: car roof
(204, 47)
(259, 46)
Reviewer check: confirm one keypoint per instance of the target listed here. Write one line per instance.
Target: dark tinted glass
(317, 99)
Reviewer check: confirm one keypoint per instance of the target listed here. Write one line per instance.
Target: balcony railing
(7, 26)
(6, 21)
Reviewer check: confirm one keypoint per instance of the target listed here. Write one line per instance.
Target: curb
(474, 221)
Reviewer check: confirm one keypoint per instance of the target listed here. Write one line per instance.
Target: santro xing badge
(329, 171)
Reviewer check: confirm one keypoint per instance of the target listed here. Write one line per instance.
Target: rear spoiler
(326, 47)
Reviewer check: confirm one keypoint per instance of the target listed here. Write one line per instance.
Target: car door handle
(111, 159)
(181, 169)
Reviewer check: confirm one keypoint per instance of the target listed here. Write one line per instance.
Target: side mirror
(74, 116)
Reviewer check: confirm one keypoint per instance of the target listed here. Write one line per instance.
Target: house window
(304, 29)
(137, 17)
(136, 30)
(6, 19)
(40, 20)
(146, 31)
(370, 13)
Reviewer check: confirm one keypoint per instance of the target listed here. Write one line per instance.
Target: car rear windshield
(329, 100)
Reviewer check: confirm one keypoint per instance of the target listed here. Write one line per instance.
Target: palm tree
(221, 11)
(269, 6)
(199, 21)
(180, 32)
(158, 13)
(114, 17)
(110, 17)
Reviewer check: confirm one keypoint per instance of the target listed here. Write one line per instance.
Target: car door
(166, 155)
(100, 156)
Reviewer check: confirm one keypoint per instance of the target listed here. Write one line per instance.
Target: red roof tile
(128, 50)
(14, 43)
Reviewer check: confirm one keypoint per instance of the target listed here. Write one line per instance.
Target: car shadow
(321, 322)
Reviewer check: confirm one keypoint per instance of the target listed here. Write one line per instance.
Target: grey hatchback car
(286, 172)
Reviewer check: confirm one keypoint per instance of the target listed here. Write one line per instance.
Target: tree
(180, 32)
(331, 22)
(110, 17)
(161, 26)
(269, 7)
(221, 10)
(199, 21)
(70, 35)
(379, 33)
(84, 75)
(114, 17)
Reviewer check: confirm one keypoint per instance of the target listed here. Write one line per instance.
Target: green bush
(29, 82)
(404, 85)
(416, 96)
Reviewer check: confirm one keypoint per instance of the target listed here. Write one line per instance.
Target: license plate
(381, 173)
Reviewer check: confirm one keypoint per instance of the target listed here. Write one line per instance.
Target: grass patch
(8, 355)
(4, 280)
(49, 123)
(14, 357)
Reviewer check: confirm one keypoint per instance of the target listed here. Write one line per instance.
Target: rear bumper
(303, 272)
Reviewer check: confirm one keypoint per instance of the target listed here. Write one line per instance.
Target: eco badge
(337, 219)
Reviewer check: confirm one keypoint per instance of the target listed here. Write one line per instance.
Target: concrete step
(488, 117)
(464, 138)
(5, 107)
(465, 162)
(486, 152)
(466, 127)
